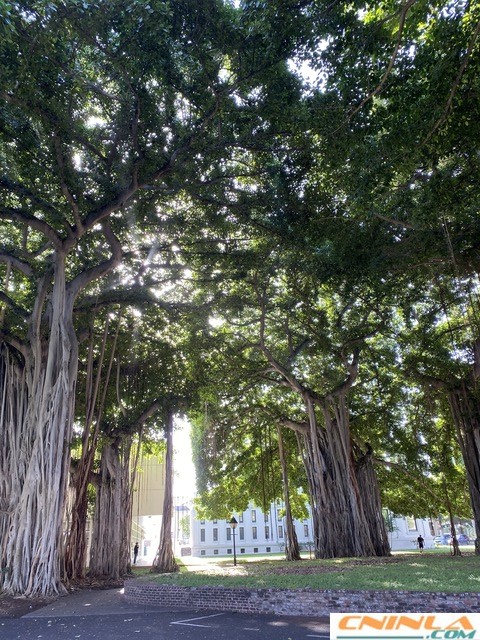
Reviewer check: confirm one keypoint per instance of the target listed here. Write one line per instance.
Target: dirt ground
(18, 606)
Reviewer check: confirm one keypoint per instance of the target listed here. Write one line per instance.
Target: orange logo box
(405, 626)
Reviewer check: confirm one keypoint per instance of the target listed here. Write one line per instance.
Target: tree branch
(350, 379)
(18, 215)
(402, 469)
(64, 186)
(13, 305)
(21, 190)
(14, 342)
(130, 296)
(88, 276)
(16, 263)
(298, 427)
(456, 84)
(403, 14)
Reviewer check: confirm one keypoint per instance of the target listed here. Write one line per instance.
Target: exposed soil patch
(18, 606)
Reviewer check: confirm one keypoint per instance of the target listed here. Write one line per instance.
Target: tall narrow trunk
(292, 550)
(466, 416)
(371, 502)
(165, 560)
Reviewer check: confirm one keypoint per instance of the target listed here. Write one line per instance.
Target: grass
(432, 571)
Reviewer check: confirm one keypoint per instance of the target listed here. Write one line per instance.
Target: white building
(404, 531)
(257, 532)
(264, 532)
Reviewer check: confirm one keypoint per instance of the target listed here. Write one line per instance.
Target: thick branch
(122, 198)
(126, 297)
(64, 186)
(21, 190)
(349, 380)
(18, 215)
(13, 305)
(14, 342)
(16, 263)
(83, 279)
(298, 427)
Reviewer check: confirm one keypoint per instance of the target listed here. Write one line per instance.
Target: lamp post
(233, 524)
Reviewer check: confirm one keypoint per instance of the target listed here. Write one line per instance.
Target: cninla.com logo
(405, 626)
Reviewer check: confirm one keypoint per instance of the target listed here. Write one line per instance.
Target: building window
(242, 550)
(268, 549)
(202, 535)
(215, 552)
(202, 521)
(305, 530)
(255, 549)
(240, 517)
(215, 534)
(241, 533)
(280, 531)
(267, 532)
(229, 551)
(266, 517)
(411, 523)
(215, 521)
(254, 533)
(229, 533)
(254, 515)
(203, 552)
(279, 514)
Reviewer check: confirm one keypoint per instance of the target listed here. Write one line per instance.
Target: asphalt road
(102, 615)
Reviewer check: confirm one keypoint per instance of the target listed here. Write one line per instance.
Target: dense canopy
(262, 215)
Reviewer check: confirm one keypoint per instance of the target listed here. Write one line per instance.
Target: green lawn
(434, 570)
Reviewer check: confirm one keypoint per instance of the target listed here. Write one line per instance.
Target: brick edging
(304, 602)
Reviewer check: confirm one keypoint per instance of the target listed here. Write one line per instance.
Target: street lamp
(233, 524)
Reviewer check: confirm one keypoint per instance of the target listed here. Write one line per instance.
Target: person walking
(135, 553)
(421, 543)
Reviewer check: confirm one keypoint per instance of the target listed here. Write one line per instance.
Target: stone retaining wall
(303, 602)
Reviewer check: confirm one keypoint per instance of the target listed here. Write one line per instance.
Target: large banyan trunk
(347, 514)
(110, 550)
(292, 550)
(164, 561)
(466, 416)
(37, 386)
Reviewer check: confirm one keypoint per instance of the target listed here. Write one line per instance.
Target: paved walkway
(105, 615)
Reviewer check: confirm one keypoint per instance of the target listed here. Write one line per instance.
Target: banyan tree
(111, 113)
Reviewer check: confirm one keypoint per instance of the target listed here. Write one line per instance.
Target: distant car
(443, 539)
(463, 538)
